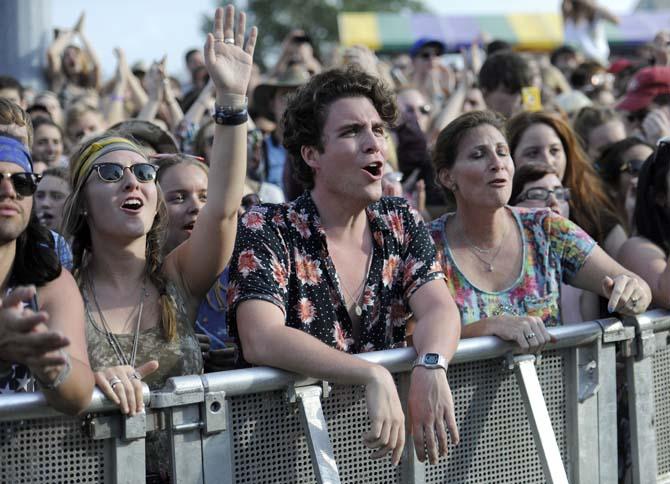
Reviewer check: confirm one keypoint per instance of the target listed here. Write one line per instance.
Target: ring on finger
(114, 381)
(530, 336)
(135, 376)
(229, 40)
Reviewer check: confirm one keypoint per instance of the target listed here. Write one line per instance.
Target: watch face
(431, 358)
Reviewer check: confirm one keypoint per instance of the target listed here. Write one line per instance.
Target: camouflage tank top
(175, 358)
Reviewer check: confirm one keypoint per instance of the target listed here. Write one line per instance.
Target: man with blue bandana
(42, 342)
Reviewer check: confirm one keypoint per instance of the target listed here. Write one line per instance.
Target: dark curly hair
(308, 108)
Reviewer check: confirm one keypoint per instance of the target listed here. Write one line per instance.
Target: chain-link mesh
(662, 404)
(49, 450)
(496, 441)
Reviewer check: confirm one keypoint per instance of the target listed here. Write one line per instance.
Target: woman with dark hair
(619, 166)
(536, 185)
(504, 265)
(647, 252)
(545, 137)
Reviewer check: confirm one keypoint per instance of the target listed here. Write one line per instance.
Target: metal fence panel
(51, 450)
(661, 368)
(496, 440)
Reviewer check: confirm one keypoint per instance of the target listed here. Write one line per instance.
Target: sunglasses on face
(632, 166)
(24, 184)
(113, 172)
(543, 194)
(428, 54)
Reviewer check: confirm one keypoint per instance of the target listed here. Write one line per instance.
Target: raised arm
(200, 259)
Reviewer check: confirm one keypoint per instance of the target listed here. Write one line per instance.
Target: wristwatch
(432, 361)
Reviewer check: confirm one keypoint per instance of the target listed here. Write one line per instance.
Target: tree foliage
(318, 18)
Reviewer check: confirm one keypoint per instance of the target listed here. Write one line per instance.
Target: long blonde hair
(75, 225)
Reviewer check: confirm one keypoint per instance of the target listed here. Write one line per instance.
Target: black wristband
(228, 118)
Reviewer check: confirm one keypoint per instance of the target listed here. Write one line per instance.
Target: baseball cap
(426, 41)
(644, 87)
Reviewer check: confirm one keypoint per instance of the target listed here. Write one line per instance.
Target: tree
(318, 18)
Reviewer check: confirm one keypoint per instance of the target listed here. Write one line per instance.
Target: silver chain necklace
(111, 337)
(359, 290)
(476, 251)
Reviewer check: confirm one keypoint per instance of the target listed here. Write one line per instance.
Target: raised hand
(79, 26)
(227, 58)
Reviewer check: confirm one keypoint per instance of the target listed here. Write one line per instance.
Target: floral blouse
(555, 249)
(281, 256)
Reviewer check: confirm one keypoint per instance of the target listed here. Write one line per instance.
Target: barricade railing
(648, 386)
(520, 420)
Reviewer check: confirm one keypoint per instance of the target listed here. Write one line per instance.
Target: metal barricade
(648, 378)
(523, 421)
(40, 445)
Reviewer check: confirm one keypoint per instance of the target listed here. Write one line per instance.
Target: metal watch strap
(441, 362)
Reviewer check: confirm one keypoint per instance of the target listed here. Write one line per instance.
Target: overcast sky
(148, 29)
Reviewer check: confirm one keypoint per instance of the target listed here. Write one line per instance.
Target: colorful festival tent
(396, 32)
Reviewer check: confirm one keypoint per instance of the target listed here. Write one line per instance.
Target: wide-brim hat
(144, 131)
(293, 77)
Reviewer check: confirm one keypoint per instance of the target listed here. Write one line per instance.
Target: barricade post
(647, 375)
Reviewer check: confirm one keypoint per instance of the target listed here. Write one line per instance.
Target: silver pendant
(358, 310)
(489, 268)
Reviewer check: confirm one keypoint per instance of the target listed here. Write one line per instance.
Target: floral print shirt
(555, 249)
(281, 256)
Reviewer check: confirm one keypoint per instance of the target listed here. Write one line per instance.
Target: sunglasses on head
(24, 183)
(543, 194)
(113, 172)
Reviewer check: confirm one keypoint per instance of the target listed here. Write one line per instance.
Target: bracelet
(114, 97)
(61, 376)
(227, 118)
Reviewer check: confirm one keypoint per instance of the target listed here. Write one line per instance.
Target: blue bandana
(12, 151)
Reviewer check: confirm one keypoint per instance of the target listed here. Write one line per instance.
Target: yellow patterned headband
(98, 149)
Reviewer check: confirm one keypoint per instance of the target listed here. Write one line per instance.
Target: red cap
(644, 87)
(619, 65)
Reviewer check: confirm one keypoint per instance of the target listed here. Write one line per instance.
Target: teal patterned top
(555, 249)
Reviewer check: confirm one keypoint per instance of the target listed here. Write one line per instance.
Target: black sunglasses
(24, 184)
(113, 172)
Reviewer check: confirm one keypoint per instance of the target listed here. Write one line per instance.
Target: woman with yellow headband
(140, 305)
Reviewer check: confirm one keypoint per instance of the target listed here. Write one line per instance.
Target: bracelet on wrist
(233, 113)
(60, 378)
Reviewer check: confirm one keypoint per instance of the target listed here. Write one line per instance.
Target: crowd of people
(151, 228)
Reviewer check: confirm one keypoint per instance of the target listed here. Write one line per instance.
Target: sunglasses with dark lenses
(632, 166)
(428, 54)
(542, 194)
(24, 184)
(113, 172)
